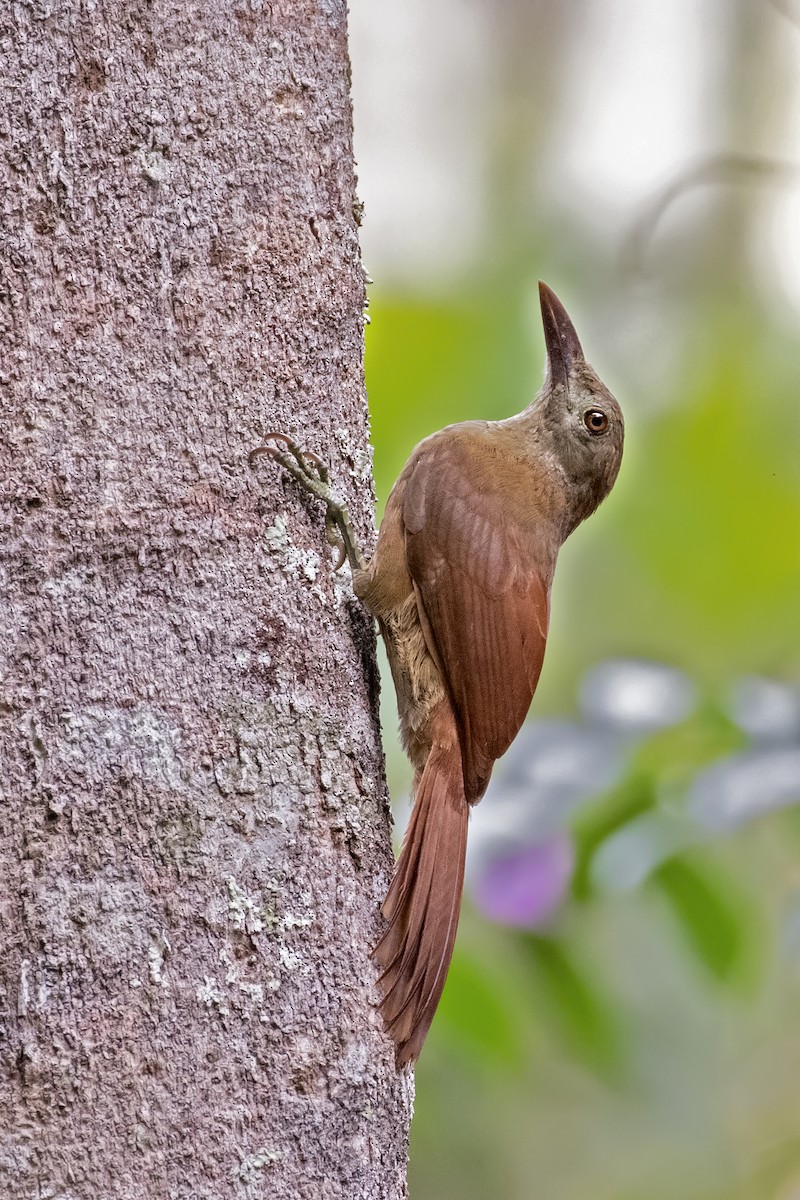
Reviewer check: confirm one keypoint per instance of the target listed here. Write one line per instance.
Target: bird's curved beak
(563, 348)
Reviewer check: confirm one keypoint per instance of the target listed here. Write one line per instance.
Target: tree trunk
(195, 831)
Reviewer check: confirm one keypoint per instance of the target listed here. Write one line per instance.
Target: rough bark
(195, 832)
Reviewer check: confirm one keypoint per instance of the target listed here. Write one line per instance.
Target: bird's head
(580, 422)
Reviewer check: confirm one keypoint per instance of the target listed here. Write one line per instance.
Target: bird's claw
(303, 464)
(312, 473)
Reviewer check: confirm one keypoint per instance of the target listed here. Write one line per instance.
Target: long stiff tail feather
(423, 904)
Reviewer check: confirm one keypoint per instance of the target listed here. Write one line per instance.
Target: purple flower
(525, 887)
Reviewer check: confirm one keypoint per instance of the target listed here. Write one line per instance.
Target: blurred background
(622, 1018)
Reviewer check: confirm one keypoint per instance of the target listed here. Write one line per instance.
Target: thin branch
(725, 169)
(787, 9)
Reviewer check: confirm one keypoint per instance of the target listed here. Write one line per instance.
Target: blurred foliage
(574, 999)
(646, 1046)
(432, 362)
(597, 821)
(715, 919)
(694, 560)
(712, 510)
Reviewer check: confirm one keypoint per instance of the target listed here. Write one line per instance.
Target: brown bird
(460, 584)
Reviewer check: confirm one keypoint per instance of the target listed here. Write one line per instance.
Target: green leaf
(576, 1004)
(599, 820)
(475, 1012)
(710, 913)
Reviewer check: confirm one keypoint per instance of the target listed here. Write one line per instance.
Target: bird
(460, 584)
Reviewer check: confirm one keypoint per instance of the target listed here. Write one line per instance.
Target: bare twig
(787, 9)
(731, 168)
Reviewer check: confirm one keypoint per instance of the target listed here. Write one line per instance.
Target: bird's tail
(423, 903)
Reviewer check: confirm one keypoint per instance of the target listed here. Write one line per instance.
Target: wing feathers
(482, 589)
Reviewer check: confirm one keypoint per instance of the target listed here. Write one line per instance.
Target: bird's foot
(312, 473)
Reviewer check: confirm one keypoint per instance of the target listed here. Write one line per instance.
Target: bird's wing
(482, 588)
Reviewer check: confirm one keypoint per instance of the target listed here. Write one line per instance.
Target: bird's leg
(312, 474)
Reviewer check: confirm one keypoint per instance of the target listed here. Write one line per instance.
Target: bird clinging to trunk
(460, 585)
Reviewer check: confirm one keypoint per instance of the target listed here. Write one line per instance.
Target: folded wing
(482, 589)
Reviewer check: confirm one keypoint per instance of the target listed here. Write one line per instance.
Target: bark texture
(195, 831)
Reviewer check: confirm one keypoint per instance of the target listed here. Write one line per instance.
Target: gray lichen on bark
(195, 831)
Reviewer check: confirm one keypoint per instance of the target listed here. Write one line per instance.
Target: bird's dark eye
(595, 420)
